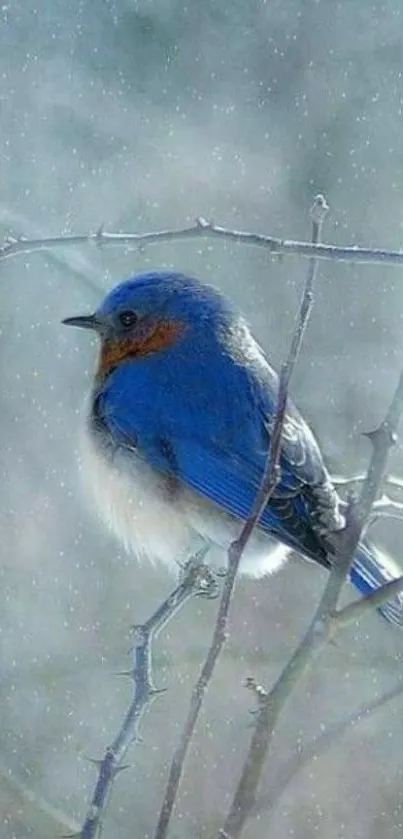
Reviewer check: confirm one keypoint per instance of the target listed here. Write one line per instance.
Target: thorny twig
(198, 581)
(207, 229)
(269, 482)
(325, 623)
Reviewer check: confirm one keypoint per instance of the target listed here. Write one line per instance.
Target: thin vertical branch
(269, 482)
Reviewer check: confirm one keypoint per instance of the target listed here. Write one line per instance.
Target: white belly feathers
(158, 523)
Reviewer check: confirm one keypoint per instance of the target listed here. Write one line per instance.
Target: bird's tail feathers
(371, 569)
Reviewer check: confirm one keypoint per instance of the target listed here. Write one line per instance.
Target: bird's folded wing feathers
(231, 480)
(223, 458)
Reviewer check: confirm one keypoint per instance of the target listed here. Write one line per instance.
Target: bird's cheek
(155, 339)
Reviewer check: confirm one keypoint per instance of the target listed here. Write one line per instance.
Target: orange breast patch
(159, 337)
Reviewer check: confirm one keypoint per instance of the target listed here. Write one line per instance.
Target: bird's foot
(200, 576)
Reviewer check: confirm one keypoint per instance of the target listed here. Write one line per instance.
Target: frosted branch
(203, 229)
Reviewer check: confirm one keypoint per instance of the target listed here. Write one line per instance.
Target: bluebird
(177, 433)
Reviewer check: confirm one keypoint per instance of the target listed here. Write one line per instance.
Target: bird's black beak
(83, 321)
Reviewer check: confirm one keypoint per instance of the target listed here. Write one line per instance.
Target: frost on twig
(268, 484)
(202, 228)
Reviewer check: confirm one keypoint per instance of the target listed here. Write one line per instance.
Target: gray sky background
(141, 116)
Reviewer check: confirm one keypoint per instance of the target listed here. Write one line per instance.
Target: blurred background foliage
(141, 116)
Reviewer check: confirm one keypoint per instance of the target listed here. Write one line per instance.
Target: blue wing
(219, 448)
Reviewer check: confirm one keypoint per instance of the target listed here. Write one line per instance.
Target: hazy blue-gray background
(142, 115)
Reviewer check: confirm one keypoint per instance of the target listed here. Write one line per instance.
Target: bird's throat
(158, 338)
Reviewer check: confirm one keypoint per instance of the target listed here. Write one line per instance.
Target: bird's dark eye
(128, 318)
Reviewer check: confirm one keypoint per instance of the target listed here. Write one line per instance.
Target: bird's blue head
(152, 313)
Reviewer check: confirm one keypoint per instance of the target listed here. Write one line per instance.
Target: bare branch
(320, 744)
(58, 819)
(385, 508)
(354, 611)
(389, 480)
(269, 482)
(198, 581)
(324, 624)
(206, 229)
